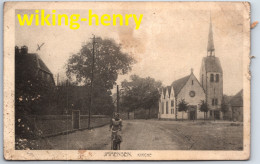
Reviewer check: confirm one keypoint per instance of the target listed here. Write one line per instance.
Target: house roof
(41, 64)
(32, 60)
(28, 64)
(179, 84)
(237, 100)
(212, 64)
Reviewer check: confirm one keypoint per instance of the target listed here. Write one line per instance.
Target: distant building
(209, 89)
(236, 106)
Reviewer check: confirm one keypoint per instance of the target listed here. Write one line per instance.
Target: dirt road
(153, 135)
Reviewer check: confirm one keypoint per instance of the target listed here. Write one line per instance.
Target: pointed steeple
(210, 48)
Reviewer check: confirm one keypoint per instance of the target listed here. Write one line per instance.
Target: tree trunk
(182, 116)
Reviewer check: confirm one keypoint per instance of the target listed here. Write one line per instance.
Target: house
(236, 106)
(187, 88)
(34, 83)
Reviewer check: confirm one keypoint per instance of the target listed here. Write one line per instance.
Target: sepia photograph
(127, 80)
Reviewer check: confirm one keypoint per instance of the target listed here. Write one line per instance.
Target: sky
(167, 45)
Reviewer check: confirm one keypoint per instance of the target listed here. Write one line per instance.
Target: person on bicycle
(116, 123)
(115, 126)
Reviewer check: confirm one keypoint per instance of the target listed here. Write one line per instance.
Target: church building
(187, 88)
(209, 89)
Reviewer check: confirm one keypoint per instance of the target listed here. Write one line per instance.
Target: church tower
(211, 78)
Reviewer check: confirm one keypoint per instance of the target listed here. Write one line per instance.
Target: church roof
(169, 90)
(212, 64)
(162, 91)
(237, 100)
(179, 84)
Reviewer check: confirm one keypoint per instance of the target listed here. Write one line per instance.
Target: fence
(49, 125)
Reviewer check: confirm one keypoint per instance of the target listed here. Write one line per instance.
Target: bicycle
(115, 140)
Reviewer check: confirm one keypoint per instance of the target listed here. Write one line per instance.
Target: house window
(172, 103)
(166, 107)
(216, 101)
(211, 78)
(217, 77)
(162, 107)
(191, 82)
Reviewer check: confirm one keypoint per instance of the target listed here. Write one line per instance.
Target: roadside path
(154, 135)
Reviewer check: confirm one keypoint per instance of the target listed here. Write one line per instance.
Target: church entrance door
(192, 112)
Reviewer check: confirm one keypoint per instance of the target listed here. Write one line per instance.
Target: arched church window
(172, 103)
(211, 78)
(217, 77)
(162, 107)
(166, 107)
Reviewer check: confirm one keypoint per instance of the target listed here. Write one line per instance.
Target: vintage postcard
(127, 80)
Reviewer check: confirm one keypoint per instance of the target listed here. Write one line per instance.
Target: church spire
(211, 49)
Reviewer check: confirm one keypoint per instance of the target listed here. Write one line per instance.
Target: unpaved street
(154, 135)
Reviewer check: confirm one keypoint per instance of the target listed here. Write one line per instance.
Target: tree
(204, 107)
(109, 62)
(182, 106)
(140, 93)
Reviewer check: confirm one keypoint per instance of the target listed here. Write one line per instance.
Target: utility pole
(58, 79)
(92, 79)
(117, 97)
(67, 88)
